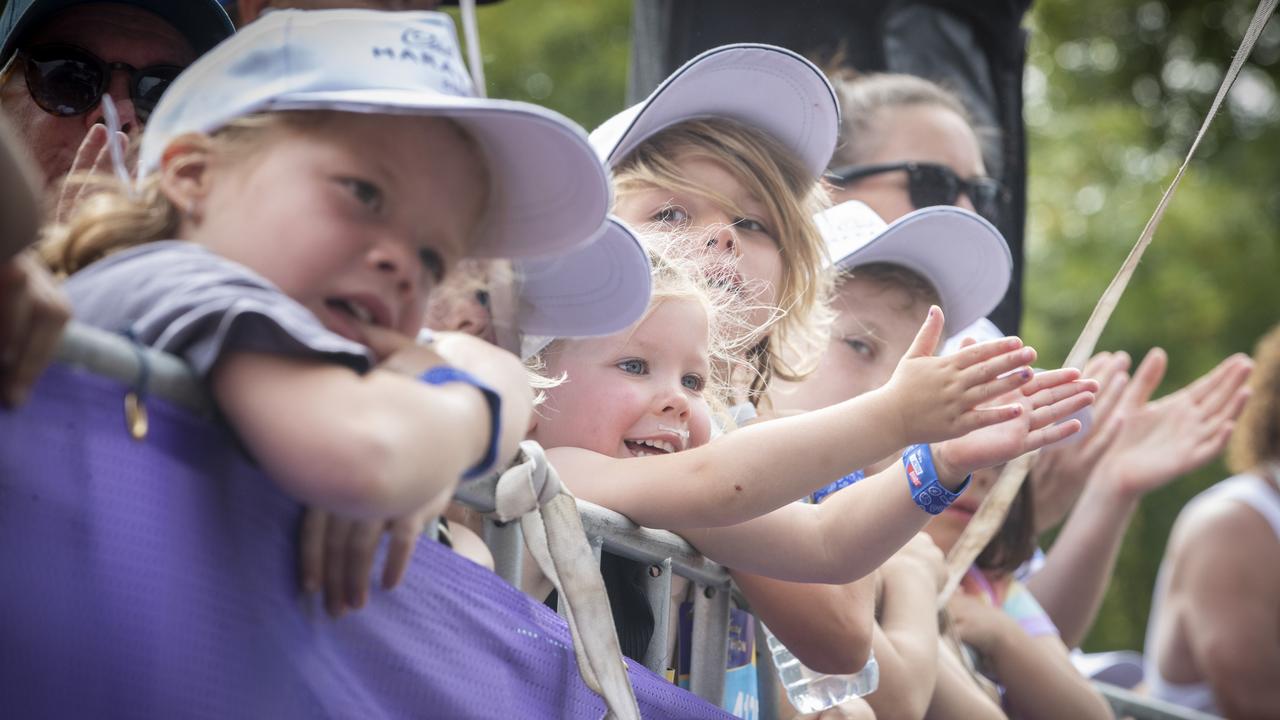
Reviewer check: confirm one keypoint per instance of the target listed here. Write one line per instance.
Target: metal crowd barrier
(157, 373)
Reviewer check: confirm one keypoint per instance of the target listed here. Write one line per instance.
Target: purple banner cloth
(157, 579)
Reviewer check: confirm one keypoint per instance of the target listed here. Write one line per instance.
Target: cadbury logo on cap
(428, 47)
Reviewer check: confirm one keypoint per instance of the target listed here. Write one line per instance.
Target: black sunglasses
(931, 184)
(65, 80)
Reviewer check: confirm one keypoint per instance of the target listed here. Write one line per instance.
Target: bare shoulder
(1221, 536)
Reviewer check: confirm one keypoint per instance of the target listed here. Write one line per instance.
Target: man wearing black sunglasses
(59, 57)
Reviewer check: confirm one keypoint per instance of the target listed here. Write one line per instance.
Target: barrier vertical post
(507, 545)
(657, 590)
(710, 651)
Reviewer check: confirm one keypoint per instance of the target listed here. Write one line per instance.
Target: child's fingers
(1052, 378)
(385, 342)
(995, 388)
(361, 547)
(335, 554)
(1062, 403)
(404, 537)
(1052, 434)
(984, 417)
(930, 334)
(311, 549)
(987, 370)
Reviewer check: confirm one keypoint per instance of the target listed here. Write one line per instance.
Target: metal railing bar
(710, 644)
(657, 590)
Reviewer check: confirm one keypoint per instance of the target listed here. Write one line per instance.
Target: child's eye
(365, 192)
(432, 262)
(750, 224)
(862, 347)
(693, 381)
(671, 215)
(633, 366)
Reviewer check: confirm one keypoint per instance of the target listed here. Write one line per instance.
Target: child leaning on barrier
(630, 427)
(302, 190)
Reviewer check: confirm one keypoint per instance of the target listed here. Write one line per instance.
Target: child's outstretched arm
(371, 446)
(858, 528)
(759, 468)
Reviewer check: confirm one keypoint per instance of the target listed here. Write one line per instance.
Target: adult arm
(1157, 441)
(1229, 589)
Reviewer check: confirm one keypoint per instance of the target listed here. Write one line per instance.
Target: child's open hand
(1049, 398)
(939, 398)
(336, 554)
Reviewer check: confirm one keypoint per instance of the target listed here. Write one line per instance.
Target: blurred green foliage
(1115, 93)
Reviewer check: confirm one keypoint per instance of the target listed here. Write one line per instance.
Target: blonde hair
(112, 218)
(790, 345)
(1256, 439)
(863, 98)
(677, 274)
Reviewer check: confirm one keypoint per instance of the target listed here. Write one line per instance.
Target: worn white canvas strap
(553, 533)
(990, 516)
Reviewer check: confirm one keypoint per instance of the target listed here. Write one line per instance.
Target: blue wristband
(443, 375)
(922, 480)
(840, 484)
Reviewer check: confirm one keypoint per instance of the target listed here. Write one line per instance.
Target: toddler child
(302, 188)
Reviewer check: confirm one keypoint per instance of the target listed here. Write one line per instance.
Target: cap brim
(598, 289)
(762, 86)
(962, 254)
(548, 192)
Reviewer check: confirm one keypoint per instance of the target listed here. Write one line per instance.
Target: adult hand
(93, 157)
(33, 312)
(1060, 471)
(1163, 439)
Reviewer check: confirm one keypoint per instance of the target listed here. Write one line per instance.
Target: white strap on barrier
(990, 516)
(553, 532)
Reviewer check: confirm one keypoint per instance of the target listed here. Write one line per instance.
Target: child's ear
(185, 175)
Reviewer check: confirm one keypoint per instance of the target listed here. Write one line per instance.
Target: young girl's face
(337, 218)
(638, 392)
(946, 527)
(875, 325)
(747, 243)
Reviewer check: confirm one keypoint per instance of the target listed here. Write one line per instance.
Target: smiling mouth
(643, 448)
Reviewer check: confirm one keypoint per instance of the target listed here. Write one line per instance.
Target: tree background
(1115, 93)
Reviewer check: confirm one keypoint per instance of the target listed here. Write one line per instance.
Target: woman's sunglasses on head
(931, 184)
(65, 80)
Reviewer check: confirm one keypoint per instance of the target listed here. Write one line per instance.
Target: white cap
(983, 330)
(598, 289)
(548, 192)
(962, 254)
(769, 88)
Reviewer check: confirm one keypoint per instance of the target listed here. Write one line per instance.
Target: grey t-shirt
(181, 298)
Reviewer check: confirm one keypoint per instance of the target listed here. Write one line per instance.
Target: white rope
(990, 516)
(552, 528)
(471, 31)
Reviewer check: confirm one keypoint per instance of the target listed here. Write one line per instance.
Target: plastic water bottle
(810, 691)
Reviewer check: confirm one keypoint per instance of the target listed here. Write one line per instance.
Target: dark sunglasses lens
(63, 83)
(985, 194)
(931, 185)
(151, 84)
